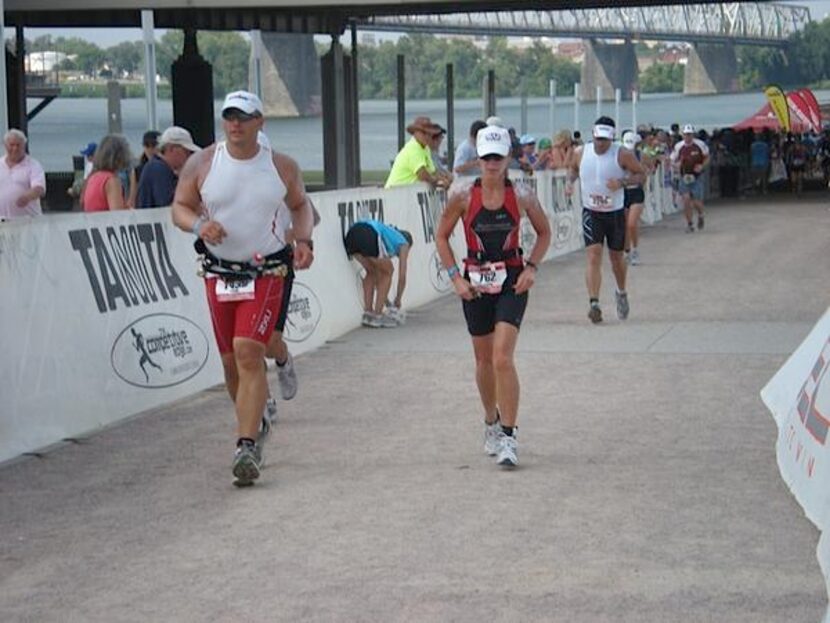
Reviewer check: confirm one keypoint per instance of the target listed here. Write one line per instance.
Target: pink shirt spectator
(95, 195)
(15, 180)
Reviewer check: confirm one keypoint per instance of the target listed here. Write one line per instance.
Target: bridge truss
(752, 23)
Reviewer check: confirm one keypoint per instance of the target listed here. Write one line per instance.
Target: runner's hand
(526, 280)
(464, 289)
(212, 232)
(303, 256)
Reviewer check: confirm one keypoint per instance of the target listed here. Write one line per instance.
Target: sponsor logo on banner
(159, 350)
(304, 313)
(563, 226)
(813, 415)
(351, 211)
(431, 204)
(438, 274)
(127, 266)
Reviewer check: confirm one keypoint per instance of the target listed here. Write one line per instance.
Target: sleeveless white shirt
(245, 197)
(594, 174)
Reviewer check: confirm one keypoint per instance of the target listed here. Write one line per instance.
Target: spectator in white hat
(157, 184)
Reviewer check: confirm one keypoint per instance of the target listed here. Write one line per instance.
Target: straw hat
(423, 124)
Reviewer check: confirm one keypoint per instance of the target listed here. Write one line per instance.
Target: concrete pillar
(338, 102)
(289, 73)
(192, 78)
(4, 102)
(609, 66)
(712, 68)
(150, 90)
(115, 93)
(16, 83)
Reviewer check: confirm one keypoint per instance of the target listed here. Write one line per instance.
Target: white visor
(604, 131)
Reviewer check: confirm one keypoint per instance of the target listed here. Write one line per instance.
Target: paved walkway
(648, 489)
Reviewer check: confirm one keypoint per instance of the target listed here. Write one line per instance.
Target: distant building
(574, 50)
(44, 62)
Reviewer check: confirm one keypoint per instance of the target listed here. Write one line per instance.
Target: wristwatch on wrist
(306, 241)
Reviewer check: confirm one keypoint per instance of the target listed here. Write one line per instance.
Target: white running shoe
(491, 438)
(287, 376)
(634, 257)
(396, 313)
(508, 455)
(270, 411)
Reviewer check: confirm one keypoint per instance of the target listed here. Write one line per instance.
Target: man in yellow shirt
(414, 162)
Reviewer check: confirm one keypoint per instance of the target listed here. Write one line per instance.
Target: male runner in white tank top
(229, 195)
(604, 170)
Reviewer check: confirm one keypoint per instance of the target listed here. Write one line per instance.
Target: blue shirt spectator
(759, 153)
(391, 237)
(157, 185)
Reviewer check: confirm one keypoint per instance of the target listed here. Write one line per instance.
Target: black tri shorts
(599, 227)
(634, 196)
(363, 240)
(484, 312)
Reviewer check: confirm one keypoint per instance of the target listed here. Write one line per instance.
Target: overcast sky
(105, 37)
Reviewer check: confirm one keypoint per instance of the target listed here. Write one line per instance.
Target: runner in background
(604, 169)
(689, 157)
(634, 202)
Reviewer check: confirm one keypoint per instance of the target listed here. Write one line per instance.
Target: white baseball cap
(494, 121)
(174, 135)
(247, 102)
(630, 139)
(602, 130)
(493, 140)
(688, 129)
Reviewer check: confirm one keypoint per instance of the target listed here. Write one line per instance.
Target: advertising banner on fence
(104, 315)
(799, 398)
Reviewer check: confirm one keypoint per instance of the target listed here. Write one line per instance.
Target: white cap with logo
(247, 102)
(688, 129)
(630, 139)
(493, 140)
(174, 135)
(602, 130)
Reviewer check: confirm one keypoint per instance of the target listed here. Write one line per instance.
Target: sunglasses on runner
(492, 157)
(234, 114)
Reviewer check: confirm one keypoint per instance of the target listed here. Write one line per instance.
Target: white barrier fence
(799, 398)
(104, 316)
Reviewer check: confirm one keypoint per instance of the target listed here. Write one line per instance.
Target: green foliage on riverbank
(99, 90)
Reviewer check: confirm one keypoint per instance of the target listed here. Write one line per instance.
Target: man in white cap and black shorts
(604, 170)
(689, 157)
(228, 196)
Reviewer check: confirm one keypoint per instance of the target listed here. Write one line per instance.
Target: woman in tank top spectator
(103, 190)
(560, 153)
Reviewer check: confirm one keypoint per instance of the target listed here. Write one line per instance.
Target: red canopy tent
(765, 118)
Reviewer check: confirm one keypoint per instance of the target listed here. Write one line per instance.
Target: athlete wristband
(197, 225)
(452, 271)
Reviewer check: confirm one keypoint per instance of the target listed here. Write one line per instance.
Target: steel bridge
(752, 23)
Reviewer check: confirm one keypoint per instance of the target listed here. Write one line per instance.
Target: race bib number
(689, 178)
(487, 278)
(227, 291)
(600, 202)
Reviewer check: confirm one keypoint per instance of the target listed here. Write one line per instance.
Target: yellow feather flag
(779, 105)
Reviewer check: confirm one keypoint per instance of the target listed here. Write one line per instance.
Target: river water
(66, 125)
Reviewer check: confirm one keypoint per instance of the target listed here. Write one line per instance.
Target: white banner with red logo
(799, 398)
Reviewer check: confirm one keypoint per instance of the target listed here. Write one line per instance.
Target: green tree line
(804, 62)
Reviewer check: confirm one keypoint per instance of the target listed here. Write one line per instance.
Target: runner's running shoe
(491, 437)
(246, 464)
(690, 229)
(508, 454)
(700, 222)
(622, 305)
(396, 313)
(271, 411)
(595, 314)
(287, 376)
(634, 257)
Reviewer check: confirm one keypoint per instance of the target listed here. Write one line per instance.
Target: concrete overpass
(192, 76)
